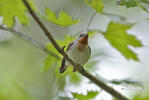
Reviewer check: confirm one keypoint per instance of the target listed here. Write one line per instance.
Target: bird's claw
(63, 48)
(74, 69)
(80, 68)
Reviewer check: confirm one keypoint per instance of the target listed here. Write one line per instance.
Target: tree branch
(78, 67)
(30, 40)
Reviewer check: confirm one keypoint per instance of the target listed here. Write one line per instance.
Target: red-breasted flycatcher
(78, 50)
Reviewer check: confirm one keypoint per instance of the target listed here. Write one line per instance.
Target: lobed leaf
(134, 3)
(127, 3)
(63, 18)
(118, 37)
(90, 95)
(10, 9)
(96, 4)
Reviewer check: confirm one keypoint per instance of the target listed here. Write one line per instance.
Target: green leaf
(134, 3)
(143, 8)
(140, 97)
(9, 9)
(48, 62)
(145, 1)
(63, 18)
(91, 33)
(68, 39)
(64, 42)
(90, 95)
(127, 3)
(95, 4)
(118, 37)
(75, 78)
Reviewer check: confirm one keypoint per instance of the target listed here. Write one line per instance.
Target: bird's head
(83, 39)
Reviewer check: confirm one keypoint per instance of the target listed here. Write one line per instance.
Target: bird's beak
(84, 39)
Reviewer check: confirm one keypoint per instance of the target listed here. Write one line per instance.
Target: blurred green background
(21, 64)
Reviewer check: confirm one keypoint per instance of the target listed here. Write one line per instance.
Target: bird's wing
(63, 66)
(90, 49)
(69, 46)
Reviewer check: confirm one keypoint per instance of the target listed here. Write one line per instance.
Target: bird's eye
(81, 35)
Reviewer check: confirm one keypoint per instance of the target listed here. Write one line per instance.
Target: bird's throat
(82, 47)
(83, 40)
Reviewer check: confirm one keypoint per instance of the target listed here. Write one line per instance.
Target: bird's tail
(63, 66)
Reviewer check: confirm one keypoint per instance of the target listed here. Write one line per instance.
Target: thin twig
(78, 67)
(90, 21)
(30, 40)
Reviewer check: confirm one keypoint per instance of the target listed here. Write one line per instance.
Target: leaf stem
(77, 66)
(30, 40)
(90, 21)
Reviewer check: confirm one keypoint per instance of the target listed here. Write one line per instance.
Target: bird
(78, 50)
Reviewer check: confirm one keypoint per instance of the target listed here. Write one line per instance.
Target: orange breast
(81, 47)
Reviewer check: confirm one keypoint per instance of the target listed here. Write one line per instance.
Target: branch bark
(80, 68)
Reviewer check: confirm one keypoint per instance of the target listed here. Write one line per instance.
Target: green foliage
(143, 8)
(95, 4)
(118, 37)
(50, 61)
(63, 18)
(9, 9)
(145, 1)
(91, 33)
(116, 34)
(140, 97)
(74, 77)
(134, 3)
(90, 95)
(12, 91)
(114, 99)
(127, 3)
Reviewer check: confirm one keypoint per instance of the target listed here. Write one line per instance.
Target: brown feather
(63, 65)
(70, 44)
(62, 68)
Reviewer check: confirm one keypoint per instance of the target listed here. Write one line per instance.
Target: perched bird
(78, 50)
